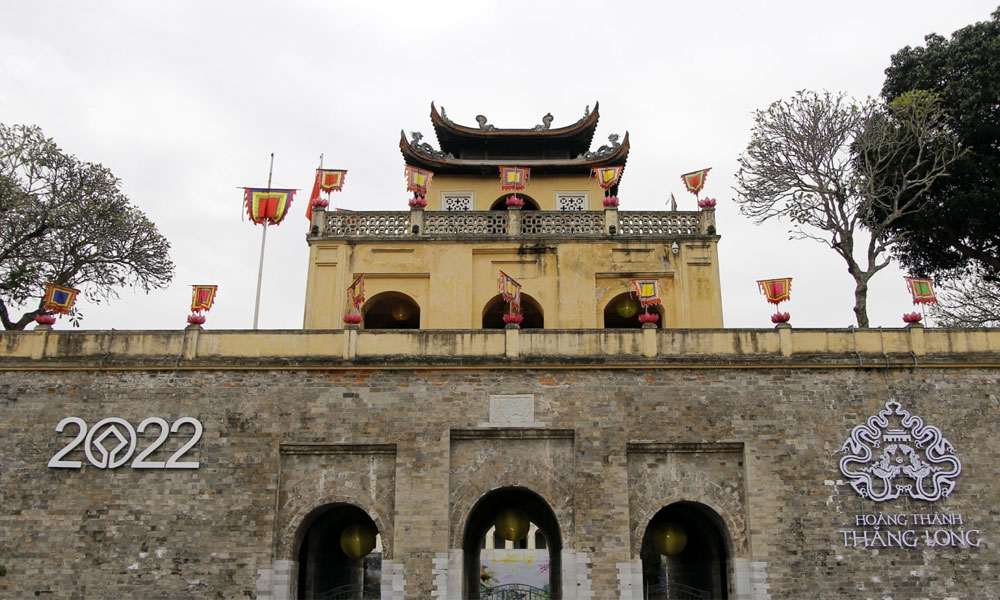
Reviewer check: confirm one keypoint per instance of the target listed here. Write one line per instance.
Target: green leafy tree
(67, 222)
(843, 173)
(957, 235)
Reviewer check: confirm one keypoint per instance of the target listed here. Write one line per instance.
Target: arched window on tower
(391, 310)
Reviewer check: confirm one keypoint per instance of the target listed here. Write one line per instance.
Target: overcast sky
(185, 101)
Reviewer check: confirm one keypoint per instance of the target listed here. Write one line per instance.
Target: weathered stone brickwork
(758, 444)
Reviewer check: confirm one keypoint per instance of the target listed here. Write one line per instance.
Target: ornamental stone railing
(525, 223)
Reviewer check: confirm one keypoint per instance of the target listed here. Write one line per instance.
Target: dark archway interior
(482, 519)
(391, 310)
(700, 566)
(497, 308)
(501, 202)
(623, 312)
(323, 566)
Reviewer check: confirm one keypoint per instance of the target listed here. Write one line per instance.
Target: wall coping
(526, 348)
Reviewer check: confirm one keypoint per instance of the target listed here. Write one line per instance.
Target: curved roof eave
(618, 156)
(584, 127)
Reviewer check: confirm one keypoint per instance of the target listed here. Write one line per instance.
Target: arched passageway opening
(512, 546)
(391, 310)
(501, 202)
(497, 307)
(684, 554)
(340, 556)
(623, 311)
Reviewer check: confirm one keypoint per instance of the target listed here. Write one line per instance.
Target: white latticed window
(461, 201)
(571, 200)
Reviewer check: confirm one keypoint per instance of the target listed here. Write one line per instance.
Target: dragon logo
(894, 454)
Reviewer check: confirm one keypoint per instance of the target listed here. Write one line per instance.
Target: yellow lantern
(401, 311)
(669, 539)
(627, 307)
(512, 524)
(357, 540)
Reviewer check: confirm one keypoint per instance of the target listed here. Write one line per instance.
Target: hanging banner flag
(59, 298)
(607, 176)
(327, 180)
(648, 291)
(922, 290)
(514, 178)
(673, 202)
(695, 180)
(510, 290)
(202, 297)
(417, 180)
(776, 290)
(356, 292)
(269, 205)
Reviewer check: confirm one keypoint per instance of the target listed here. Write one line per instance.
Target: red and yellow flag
(510, 290)
(514, 178)
(417, 180)
(356, 292)
(608, 176)
(695, 180)
(648, 291)
(269, 205)
(922, 290)
(776, 290)
(202, 297)
(327, 180)
(59, 298)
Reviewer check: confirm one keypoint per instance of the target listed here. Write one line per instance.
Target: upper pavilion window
(571, 200)
(457, 201)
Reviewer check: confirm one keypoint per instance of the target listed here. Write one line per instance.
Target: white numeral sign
(111, 442)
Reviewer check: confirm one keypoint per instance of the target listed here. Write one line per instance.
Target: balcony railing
(511, 223)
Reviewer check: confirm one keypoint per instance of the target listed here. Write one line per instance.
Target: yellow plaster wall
(541, 188)
(453, 281)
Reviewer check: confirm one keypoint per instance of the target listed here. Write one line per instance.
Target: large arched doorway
(623, 311)
(501, 202)
(501, 567)
(497, 307)
(684, 554)
(391, 310)
(340, 556)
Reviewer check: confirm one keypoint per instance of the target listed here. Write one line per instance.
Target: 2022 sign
(103, 453)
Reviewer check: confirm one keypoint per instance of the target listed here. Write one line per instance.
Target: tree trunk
(861, 301)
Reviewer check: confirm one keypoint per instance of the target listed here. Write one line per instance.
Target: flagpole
(263, 239)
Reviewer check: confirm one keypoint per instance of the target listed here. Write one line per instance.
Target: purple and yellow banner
(59, 298)
(510, 290)
(514, 178)
(607, 176)
(648, 291)
(417, 180)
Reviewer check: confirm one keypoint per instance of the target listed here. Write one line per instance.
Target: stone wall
(605, 447)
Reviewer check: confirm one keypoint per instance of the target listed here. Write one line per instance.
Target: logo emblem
(895, 454)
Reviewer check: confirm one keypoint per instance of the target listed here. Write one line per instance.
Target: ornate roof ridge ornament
(425, 148)
(604, 150)
(444, 115)
(546, 123)
(586, 113)
(481, 119)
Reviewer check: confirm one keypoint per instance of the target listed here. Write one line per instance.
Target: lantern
(357, 540)
(627, 307)
(669, 539)
(512, 524)
(401, 311)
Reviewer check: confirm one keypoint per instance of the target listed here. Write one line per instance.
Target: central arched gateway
(482, 520)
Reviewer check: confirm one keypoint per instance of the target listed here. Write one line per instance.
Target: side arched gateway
(684, 554)
(340, 555)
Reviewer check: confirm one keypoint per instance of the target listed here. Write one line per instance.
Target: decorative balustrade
(375, 224)
(583, 223)
(480, 222)
(659, 223)
(577, 222)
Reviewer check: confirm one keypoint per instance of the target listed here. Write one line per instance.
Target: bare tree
(970, 301)
(843, 172)
(67, 222)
